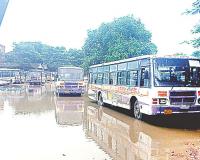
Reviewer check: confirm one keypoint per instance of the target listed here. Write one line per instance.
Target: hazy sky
(65, 22)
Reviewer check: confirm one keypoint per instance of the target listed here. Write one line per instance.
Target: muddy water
(36, 125)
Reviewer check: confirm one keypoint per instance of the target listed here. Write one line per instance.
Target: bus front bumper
(70, 91)
(175, 109)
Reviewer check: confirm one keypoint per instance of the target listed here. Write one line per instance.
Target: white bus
(35, 77)
(70, 81)
(11, 75)
(148, 84)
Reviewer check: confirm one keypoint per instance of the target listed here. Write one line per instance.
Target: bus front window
(176, 72)
(70, 76)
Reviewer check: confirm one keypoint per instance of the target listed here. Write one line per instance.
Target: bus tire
(136, 110)
(57, 94)
(100, 100)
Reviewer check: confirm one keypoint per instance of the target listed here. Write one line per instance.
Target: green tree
(122, 38)
(195, 8)
(196, 54)
(27, 53)
(196, 30)
(75, 57)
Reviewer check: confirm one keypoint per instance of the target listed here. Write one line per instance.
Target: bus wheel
(136, 110)
(100, 100)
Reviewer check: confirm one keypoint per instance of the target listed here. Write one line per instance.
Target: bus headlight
(162, 100)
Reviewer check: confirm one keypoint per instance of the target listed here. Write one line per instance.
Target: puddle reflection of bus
(12, 93)
(35, 91)
(35, 100)
(124, 138)
(69, 110)
(26, 99)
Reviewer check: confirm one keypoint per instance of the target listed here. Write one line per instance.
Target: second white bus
(148, 84)
(70, 81)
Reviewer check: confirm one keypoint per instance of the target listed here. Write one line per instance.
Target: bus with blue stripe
(149, 85)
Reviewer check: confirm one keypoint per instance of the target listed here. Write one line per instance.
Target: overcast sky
(65, 22)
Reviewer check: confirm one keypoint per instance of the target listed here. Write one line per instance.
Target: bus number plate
(184, 107)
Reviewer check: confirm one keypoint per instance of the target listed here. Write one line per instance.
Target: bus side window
(110, 81)
(128, 78)
(90, 78)
(145, 78)
(94, 79)
(132, 78)
(121, 78)
(99, 78)
(106, 78)
(113, 78)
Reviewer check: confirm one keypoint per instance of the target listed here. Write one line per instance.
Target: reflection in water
(27, 99)
(35, 92)
(124, 138)
(69, 110)
(29, 129)
(31, 116)
(1, 103)
(11, 94)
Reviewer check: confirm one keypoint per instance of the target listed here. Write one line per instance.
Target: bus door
(144, 78)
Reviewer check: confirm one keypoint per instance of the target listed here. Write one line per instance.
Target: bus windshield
(70, 76)
(35, 74)
(67, 74)
(176, 72)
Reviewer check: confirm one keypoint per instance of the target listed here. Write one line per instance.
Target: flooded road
(37, 125)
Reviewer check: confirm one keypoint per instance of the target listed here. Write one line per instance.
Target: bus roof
(36, 70)
(70, 67)
(143, 57)
(9, 69)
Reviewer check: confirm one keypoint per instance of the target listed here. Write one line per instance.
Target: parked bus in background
(49, 76)
(70, 81)
(35, 77)
(11, 75)
(148, 84)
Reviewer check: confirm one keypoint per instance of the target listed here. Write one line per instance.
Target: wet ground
(37, 125)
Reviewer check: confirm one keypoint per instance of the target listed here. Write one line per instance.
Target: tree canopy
(195, 8)
(196, 30)
(122, 38)
(27, 53)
